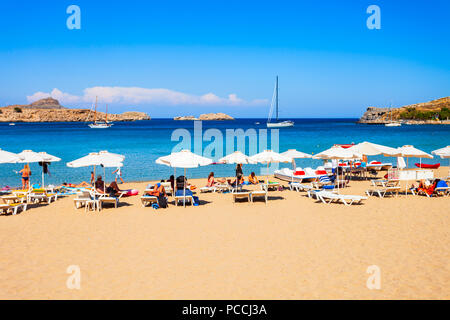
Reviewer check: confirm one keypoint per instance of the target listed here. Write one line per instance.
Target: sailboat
(392, 123)
(277, 123)
(100, 124)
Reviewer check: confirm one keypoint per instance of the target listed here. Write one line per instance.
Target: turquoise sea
(142, 142)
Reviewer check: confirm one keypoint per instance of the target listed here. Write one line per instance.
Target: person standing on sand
(118, 173)
(26, 173)
(92, 177)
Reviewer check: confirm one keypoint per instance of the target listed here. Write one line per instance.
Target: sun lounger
(270, 186)
(82, 198)
(38, 195)
(259, 194)
(149, 200)
(328, 197)
(240, 195)
(442, 191)
(10, 199)
(222, 187)
(184, 199)
(13, 208)
(383, 191)
(208, 189)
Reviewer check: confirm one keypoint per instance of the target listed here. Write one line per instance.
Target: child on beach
(253, 179)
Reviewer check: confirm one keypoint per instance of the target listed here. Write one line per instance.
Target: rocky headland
(49, 110)
(432, 112)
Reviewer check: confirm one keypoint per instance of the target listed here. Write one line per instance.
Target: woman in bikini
(26, 173)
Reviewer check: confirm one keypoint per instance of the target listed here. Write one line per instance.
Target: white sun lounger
(149, 200)
(208, 189)
(383, 191)
(237, 195)
(328, 197)
(259, 194)
(13, 208)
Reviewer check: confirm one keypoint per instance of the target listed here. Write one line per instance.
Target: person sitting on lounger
(157, 191)
(113, 188)
(426, 187)
(84, 184)
(253, 179)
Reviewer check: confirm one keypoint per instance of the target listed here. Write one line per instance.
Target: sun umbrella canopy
(269, 156)
(235, 157)
(338, 153)
(184, 159)
(29, 156)
(443, 152)
(102, 158)
(294, 154)
(373, 149)
(9, 157)
(49, 157)
(410, 151)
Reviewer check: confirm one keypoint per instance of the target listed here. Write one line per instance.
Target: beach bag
(196, 200)
(162, 201)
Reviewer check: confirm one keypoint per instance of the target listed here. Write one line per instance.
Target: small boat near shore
(100, 124)
(428, 166)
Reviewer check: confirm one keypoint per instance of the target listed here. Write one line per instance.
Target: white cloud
(136, 95)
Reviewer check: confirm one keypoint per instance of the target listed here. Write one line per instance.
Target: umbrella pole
(184, 189)
(104, 182)
(43, 185)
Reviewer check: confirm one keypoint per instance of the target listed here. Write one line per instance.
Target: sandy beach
(291, 248)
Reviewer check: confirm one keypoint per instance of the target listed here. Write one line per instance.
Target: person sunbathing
(253, 179)
(426, 187)
(211, 181)
(158, 190)
(100, 187)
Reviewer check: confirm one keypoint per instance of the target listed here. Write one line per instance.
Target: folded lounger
(208, 189)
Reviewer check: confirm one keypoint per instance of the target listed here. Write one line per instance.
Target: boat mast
(95, 111)
(277, 97)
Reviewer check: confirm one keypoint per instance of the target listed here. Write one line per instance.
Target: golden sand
(291, 248)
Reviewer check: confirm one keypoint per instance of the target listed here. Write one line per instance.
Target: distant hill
(47, 103)
(435, 111)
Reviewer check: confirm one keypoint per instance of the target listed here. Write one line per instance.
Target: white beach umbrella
(338, 153)
(9, 157)
(373, 149)
(407, 152)
(184, 159)
(411, 152)
(294, 154)
(235, 158)
(103, 158)
(29, 156)
(444, 153)
(267, 157)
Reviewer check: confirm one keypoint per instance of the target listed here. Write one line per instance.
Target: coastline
(290, 248)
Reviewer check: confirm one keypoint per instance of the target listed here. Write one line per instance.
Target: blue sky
(173, 58)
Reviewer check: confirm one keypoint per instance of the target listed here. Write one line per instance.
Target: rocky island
(432, 112)
(206, 117)
(49, 110)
